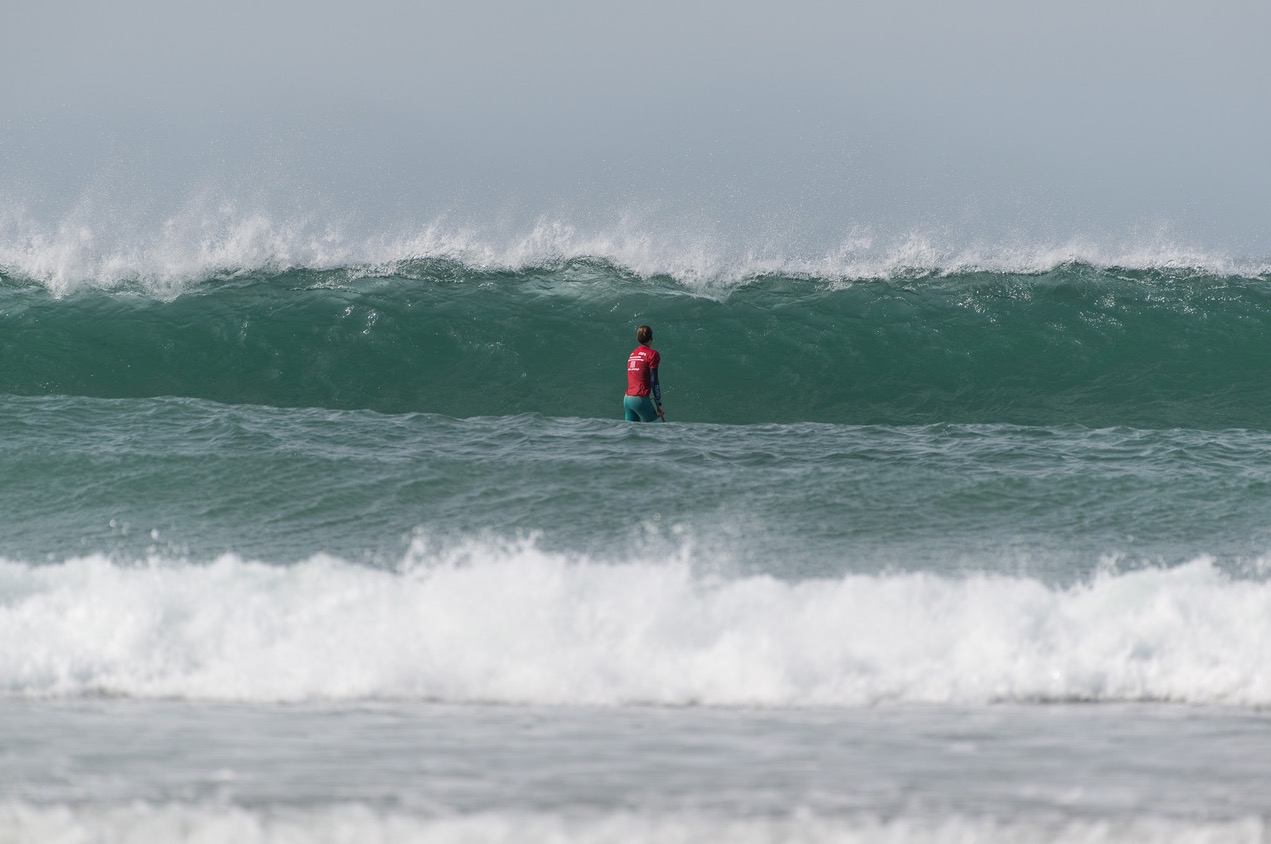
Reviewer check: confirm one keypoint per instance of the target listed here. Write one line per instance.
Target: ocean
(362, 550)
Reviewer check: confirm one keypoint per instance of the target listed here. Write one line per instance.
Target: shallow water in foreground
(435, 772)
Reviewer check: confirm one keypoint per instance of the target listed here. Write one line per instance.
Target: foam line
(518, 625)
(142, 822)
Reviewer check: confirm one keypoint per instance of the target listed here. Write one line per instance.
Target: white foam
(97, 246)
(516, 624)
(146, 823)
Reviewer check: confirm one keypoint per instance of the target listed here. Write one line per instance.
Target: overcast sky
(799, 120)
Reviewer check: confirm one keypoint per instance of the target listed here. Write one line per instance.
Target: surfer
(642, 380)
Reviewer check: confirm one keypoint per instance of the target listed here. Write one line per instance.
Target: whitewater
(520, 627)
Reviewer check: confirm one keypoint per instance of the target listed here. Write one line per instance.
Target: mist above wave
(96, 246)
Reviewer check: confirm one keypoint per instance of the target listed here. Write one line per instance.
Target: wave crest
(103, 248)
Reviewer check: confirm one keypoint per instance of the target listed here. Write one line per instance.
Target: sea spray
(167, 251)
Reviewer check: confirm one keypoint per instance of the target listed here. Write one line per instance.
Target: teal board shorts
(640, 409)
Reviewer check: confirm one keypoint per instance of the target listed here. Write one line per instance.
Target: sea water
(362, 551)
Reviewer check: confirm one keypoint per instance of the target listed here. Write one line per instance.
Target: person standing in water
(642, 380)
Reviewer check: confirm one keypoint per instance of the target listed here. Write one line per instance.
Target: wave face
(522, 626)
(1073, 344)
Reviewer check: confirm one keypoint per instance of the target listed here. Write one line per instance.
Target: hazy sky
(797, 120)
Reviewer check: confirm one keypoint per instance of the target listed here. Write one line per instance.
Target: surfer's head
(644, 334)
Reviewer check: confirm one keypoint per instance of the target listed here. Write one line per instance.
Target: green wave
(1078, 344)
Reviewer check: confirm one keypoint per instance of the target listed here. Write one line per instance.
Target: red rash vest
(639, 363)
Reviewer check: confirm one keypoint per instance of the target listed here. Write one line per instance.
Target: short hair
(644, 334)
